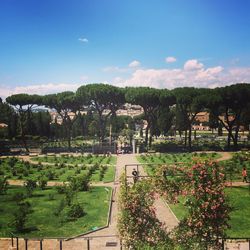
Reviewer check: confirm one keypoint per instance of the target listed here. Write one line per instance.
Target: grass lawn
(43, 223)
(239, 198)
(187, 158)
(109, 175)
(240, 216)
(68, 159)
(234, 166)
(60, 169)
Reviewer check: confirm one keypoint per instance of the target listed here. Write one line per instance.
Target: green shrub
(103, 169)
(80, 183)
(30, 186)
(61, 189)
(75, 211)
(50, 174)
(51, 197)
(59, 208)
(69, 195)
(42, 182)
(3, 185)
(21, 214)
(25, 172)
(18, 197)
(78, 171)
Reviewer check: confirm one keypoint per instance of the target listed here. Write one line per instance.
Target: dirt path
(224, 156)
(59, 183)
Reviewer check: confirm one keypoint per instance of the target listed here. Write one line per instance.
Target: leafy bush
(50, 174)
(30, 186)
(18, 197)
(61, 189)
(137, 223)
(3, 185)
(51, 197)
(78, 171)
(80, 183)
(39, 166)
(59, 208)
(69, 195)
(21, 214)
(103, 169)
(42, 182)
(75, 211)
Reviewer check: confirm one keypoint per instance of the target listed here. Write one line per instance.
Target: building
(201, 122)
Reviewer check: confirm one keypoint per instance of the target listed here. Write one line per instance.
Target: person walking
(135, 175)
(244, 174)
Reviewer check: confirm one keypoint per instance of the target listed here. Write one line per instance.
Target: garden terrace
(98, 168)
(78, 159)
(181, 159)
(238, 196)
(44, 220)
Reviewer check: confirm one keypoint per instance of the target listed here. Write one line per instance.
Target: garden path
(163, 212)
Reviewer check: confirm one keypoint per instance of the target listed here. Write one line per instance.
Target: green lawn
(240, 216)
(43, 223)
(186, 158)
(234, 166)
(69, 159)
(239, 198)
(62, 168)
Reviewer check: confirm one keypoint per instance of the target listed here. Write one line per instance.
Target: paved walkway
(163, 212)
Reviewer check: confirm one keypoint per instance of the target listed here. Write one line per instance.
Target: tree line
(228, 107)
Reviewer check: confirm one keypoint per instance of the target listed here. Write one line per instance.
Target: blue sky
(54, 45)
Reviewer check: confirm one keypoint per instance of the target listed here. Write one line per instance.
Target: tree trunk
(146, 136)
(180, 133)
(101, 129)
(229, 138)
(190, 138)
(68, 131)
(23, 134)
(185, 138)
(236, 137)
(24, 141)
(220, 133)
(150, 141)
(69, 139)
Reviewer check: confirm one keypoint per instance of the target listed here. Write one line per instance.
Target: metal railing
(86, 244)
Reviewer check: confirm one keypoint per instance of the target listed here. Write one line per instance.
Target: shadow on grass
(26, 230)
(37, 195)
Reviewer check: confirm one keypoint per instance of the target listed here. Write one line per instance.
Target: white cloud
(83, 40)
(134, 64)
(40, 89)
(170, 59)
(193, 64)
(114, 69)
(193, 74)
